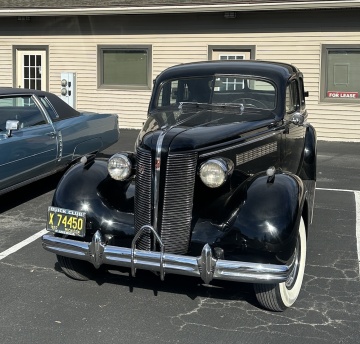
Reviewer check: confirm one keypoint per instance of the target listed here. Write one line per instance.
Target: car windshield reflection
(229, 90)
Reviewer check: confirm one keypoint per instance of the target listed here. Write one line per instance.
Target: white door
(31, 69)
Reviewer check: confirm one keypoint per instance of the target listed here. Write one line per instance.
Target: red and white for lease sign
(336, 94)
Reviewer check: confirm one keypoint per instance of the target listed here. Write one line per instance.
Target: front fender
(108, 204)
(259, 217)
(308, 169)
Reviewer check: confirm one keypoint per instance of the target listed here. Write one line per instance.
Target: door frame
(19, 48)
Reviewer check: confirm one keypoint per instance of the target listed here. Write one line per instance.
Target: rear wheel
(76, 269)
(278, 297)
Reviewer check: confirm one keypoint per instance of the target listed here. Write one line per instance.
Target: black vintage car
(220, 185)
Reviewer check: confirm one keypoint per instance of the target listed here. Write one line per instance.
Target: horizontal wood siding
(77, 52)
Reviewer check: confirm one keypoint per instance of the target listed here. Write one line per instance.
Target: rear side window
(49, 108)
(62, 109)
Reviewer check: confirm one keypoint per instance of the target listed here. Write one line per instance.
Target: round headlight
(214, 172)
(119, 167)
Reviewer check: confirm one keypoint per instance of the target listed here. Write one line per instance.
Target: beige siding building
(113, 52)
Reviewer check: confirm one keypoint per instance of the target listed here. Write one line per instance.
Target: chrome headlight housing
(214, 172)
(119, 167)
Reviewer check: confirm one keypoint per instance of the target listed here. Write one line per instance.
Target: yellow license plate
(66, 221)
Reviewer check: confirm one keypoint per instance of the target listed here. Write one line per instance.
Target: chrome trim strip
(31, 156)
(204, 266)
(158, 168)
(240, 144)
(157, 179)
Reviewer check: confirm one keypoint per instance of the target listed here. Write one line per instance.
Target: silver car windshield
(251, 92)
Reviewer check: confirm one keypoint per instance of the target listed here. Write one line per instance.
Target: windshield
(251, 92)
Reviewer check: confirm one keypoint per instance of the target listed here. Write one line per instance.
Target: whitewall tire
(278, 297)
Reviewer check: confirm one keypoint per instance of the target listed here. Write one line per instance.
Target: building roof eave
(263, 6)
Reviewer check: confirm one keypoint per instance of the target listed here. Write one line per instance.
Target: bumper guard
(205, 266)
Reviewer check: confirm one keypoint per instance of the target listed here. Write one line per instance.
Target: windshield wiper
(192, 105)
(207, 106)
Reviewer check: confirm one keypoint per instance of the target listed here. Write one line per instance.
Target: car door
(29, 152)
(294, 132)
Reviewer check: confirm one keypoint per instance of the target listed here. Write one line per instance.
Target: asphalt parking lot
(39, 304)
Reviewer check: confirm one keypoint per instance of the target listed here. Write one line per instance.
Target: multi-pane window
(32, 71)
(340, 73)
(232, 83)
(125, 66)
(31, 67)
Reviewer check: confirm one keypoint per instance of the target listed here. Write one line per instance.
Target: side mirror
(306, 94)
(12, 125)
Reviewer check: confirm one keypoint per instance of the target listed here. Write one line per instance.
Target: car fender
(108, 204)
(259, 216)
(308, 170)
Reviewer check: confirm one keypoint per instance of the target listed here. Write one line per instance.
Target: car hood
(193, 130)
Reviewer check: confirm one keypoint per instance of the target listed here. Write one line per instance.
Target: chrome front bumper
(205, 266)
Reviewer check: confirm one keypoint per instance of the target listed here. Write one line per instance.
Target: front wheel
(76, 269)
(278, 297)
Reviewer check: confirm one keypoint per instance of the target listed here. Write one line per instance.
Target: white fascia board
(290, 5)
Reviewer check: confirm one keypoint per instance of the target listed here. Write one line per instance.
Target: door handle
(52, 134)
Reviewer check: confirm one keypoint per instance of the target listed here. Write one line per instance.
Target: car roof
(62, 109)
(5, 91)
(266, 69)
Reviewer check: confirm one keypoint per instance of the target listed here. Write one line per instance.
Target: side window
(302, 93)
(292, 97)
(22, 109)
(173, 92)
(49, 108)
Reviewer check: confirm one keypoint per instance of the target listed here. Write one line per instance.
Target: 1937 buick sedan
(220, 184)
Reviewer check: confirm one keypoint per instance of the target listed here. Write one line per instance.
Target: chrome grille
(143, 197)
(178, 202)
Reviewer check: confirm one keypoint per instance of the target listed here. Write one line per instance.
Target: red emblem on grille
(157, 164)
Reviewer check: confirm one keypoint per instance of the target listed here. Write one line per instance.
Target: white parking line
(21, 244)
(357, 202)
(357, 216)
